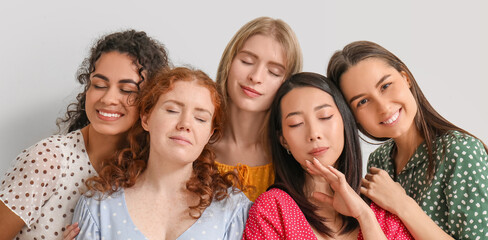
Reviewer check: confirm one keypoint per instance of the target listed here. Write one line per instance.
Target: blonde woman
(260, 56)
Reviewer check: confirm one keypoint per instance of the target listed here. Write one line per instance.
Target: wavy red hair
(129, 163)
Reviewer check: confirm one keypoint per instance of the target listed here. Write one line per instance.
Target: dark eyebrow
(377, 84)
(256, 56)
(300, 112)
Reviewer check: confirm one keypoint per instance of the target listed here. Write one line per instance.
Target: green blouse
(457, 197)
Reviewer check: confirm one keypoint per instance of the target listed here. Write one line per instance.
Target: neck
(100, 147)
(244, 127)
(406, 145)
(165, 177)
(318, 184)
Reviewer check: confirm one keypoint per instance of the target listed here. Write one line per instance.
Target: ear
(283, 142)
(144, 119)
(405, 76)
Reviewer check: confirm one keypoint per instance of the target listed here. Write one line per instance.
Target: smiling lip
(181, 140)
(108, 115)
(392, 119)
(250, 92)
(318, 151)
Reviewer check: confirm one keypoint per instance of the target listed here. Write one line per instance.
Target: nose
(382, 105)
(257, 74)
(184, 122)
(313, 133)
(110, 97)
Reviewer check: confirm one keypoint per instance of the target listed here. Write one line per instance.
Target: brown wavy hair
(427, 120)
(130, 162)
(146, 52)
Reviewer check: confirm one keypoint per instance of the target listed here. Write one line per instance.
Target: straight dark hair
(427, 120)
(290, 176)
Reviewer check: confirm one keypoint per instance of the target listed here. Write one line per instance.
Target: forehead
(305, 98)
(117, 65)
(264, 47)
(190, 93)
(365, 74)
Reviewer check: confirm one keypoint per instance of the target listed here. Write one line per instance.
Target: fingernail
(308, 162)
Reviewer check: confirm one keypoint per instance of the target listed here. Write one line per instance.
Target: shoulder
(275, 199)
(460, 147)
(382, 152)
(237, 200)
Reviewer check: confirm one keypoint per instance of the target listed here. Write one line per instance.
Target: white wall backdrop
(42, 43)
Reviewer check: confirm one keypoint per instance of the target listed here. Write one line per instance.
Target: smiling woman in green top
(429, 172)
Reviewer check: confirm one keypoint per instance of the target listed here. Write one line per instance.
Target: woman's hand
(344, 199)
(71, 231)
(378, 186)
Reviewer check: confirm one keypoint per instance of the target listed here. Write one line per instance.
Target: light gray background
(42, 43)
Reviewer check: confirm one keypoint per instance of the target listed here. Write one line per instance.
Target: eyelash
(383, 88)
(201, 120)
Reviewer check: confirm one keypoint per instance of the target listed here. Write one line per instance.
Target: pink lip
(250, 92)
(181, 140)
(318, 151)
(108, 118)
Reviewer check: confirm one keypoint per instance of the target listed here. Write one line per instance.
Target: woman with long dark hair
(317, 160)
(429, 172)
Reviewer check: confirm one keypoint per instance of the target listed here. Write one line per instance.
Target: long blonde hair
(278, 30)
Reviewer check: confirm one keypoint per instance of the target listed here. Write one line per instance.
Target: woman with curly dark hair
(166, 184)
(40, 191)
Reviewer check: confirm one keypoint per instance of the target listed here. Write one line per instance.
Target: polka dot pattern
(43, 184)
(275, 215)
(108, 218)
(457, 197)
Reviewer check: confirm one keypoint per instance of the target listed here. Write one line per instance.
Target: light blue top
(109, 219)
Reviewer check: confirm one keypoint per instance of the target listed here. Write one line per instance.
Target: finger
(311, 168)
(71, 231)
(364, 191)
(336, 172)
(365, 183)
(68, 228)
(322, 197)
(72, 234)
(374, 170)
(326, 171)
(369, 177)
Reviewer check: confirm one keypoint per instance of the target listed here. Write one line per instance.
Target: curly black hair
(147, 52)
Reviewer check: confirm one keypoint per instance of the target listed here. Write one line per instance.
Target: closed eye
(201, 120)
(99, 86)
(171, 111)
(326, 118)
(295, 125)
(275, 74)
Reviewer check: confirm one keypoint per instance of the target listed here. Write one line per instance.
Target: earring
(288, 151)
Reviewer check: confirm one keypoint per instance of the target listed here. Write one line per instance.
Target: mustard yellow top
(259, 178)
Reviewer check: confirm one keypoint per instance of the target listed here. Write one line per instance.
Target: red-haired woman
(166, 184)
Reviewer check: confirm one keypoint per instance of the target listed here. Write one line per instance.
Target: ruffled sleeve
(238, 221)
(33, 178)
